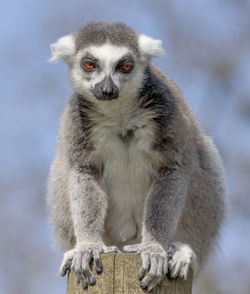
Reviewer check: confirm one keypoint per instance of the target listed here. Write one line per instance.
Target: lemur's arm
(88, 207)
(88, 201)
(162, 211)
(164, 206)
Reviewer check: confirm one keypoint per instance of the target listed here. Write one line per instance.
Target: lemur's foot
(181, 258)
(154, 263)
(79, 259)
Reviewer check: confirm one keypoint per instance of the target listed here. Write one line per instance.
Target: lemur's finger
(145, 266)
(184, 271)
(77, 268)
(65, 267)
(165, 266)
(86, 258)
(152, 274)
(151, 285)
(97, 260)
(66, 263)
(176, 268)
(160, 270)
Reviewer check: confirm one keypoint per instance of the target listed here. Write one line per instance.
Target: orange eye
(126, 67)
(89, 65)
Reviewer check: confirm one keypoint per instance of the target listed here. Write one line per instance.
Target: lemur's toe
(181, 259)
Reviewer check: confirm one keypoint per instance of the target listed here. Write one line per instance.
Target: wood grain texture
(120, 276)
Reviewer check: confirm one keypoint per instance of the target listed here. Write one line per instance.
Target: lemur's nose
(106, 89)
(109, 89)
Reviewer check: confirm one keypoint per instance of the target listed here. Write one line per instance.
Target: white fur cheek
(97, 78)
(116, 81)
(79, 83)
(132, 86)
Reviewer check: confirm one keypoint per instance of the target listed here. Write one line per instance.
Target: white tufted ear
(64, 49)
(149, 47)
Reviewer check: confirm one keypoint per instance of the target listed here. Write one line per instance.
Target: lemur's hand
(154, 263)
(79, 258)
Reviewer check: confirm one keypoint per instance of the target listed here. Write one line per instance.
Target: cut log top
(120, 276)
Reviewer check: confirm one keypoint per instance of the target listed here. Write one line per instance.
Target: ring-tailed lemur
(133, 169)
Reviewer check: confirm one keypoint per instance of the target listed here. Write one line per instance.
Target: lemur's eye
(88, 65)
(126, 67)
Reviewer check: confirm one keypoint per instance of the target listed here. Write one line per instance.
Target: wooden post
(120, 276)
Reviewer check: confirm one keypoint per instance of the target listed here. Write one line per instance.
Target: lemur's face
(106, 72)
(106, 60)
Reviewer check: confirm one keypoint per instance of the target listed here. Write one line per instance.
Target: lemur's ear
(64, 49)
(149, 47)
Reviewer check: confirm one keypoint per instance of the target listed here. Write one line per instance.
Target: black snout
(106, 89)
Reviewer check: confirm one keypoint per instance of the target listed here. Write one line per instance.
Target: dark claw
(65, 269)
(98, 267)
(170, 276)
(64, 272)
(141, 274)
(92, 281)
(83, 283)
(149, 289)
(144, 287)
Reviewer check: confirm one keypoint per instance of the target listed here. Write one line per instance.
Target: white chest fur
(123, 151)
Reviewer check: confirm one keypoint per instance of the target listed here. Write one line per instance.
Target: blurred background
(208, 55)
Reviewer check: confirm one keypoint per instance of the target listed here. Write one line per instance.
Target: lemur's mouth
(105, 98)
(106, 89)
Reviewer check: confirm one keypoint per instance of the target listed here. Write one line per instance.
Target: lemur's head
(106, 60)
